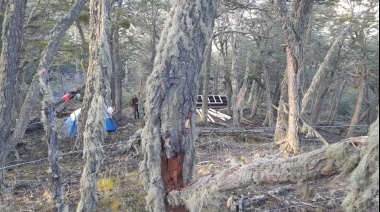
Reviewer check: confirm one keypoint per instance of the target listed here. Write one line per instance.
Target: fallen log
(327, 161)
(127, 145)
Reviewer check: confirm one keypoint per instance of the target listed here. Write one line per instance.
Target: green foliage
(113, 202)
(106, 185)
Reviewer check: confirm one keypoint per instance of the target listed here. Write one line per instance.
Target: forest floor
(120, 189)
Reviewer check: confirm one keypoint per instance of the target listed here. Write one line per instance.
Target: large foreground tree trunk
(168, 135)
(364, 193)
(95, 102)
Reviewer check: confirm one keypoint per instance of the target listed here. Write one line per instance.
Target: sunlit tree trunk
(295, 29)
(171, 90)
(95, 101)
(234, 81)
(359, 103)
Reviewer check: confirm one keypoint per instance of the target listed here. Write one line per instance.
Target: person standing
(135, 105)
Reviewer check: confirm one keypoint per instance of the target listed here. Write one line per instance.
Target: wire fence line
(173, 131)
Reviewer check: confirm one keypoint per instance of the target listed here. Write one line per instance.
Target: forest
(244, 105)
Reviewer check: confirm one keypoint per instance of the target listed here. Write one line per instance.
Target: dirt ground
(120, 189)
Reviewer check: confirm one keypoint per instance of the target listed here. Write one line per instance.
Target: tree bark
(358, 107)
(234, 81)
(118, 67)
(95, 101)
(335, 103)
(11, 37)
(322, 69)
(318, 105)
(282, 112)
(206, 82)
(292, 144)
(364, 191)
(325, 162)
(216, 78)
(269, 116)
(167, 138)
(243, 89)
(256, 98)
(53, 154)
(295, 28)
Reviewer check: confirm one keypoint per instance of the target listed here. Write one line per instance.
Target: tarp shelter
(70, 125)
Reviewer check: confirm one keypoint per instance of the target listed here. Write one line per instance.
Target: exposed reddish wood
(171, 170)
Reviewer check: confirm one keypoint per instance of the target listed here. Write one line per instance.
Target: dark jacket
(134, 102)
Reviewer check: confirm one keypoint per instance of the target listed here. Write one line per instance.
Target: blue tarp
(70, 126)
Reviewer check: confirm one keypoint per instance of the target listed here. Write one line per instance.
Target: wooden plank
(221, 114)
(216, 115)
(212, 120)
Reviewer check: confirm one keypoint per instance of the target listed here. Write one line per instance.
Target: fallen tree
(341, 158)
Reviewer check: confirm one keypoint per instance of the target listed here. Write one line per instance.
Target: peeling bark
(295, 32)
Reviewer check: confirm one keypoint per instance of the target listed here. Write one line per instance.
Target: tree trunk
(257, 95)
(118, 69)
(12, 32)
(216, 78)
(269, 116)
(234, 81)
(318, 105)
(333, 108)
(282, 113)
(53, 154)
(295, 29)
(206, 82)
(95, 101)
(167, 139)
(292, 144)
(364, 191)
(325, 162)
(359, 102)
(243, 89)
(322, 69)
